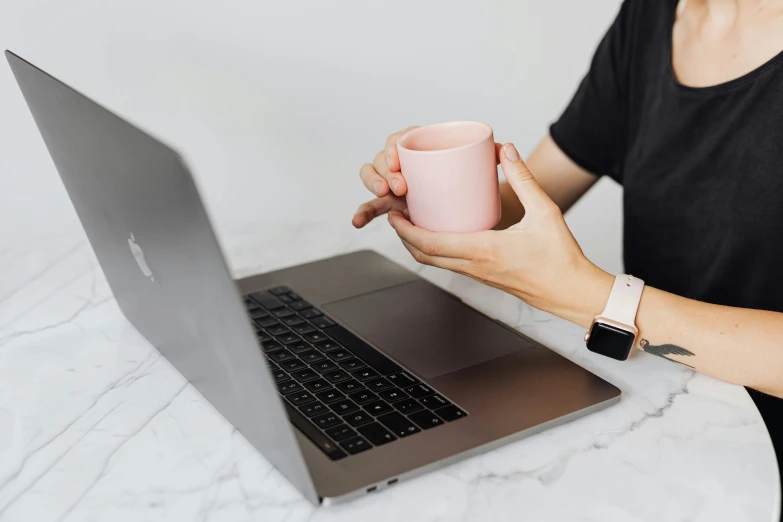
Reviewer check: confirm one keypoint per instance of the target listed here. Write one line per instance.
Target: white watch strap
(624, 300)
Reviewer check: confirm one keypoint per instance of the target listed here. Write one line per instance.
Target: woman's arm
(539, 261)
(737, 345)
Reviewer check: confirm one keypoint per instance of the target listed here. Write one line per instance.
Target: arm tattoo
(663, 350)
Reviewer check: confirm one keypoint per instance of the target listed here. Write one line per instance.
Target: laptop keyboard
(339, 391)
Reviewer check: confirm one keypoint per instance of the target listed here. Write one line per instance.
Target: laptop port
(392, 481)
(371, 489)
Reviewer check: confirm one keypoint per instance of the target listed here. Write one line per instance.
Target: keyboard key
(363, 397)
(286, 298)
(393, 395)
(304, 328)
(267, 322)
(279, 290)
(362, 350)
(289, 338)
(322, 322)
(324, 366)
(352, 364)
(377, 385)
(365, 374)
(349, 386)
(450, 413)
(282, 313)
(343, 407)
(272, 366)
(336, 376)
(317, 385)
(330, 396)
(339, 355)
(293, 320)
(271, 346)
(277, 329)
(358, 418)
(299, 347)
(287, 387)
(305, 375)
(262, 335)
(378, 408)
(376, 433)
(402, 379)
(300, 305)
(327, 420)
(300, 398)
(313, 408)
(295, 296)
(279, 356)
(355, 445)
(408, 406)
(398, 424)
(311, 432)
(279, 375)
(327, 346)
(419, 391)
(313, 357)
(293, 365)
(315, 337)
(434, 401)
(310, 313)
(425, 419)
(340, 432)
(258, 313)
(266, 300)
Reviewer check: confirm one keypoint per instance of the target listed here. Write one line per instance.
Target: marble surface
(95, 425)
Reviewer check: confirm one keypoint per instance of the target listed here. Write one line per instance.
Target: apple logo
(138, 254)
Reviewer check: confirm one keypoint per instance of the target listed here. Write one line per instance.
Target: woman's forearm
(737, 345)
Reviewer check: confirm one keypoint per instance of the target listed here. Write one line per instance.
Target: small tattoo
(666, 349)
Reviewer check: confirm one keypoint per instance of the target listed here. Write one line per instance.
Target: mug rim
(406, 136)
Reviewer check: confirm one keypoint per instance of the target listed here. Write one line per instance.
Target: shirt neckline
(719, 87)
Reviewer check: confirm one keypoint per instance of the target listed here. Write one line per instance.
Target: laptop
(349, 374)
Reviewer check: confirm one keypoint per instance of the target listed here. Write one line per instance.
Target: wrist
(588, 295)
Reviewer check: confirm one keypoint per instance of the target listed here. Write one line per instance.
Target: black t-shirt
(701, 168)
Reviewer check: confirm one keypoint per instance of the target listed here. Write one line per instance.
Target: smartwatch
(613, 332)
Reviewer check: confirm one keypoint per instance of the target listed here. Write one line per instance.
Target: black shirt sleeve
(592, 131)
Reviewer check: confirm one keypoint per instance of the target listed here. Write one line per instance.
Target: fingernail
(511, 152)
(394, 184)
(376, 187)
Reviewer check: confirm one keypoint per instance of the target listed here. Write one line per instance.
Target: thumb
(529, 192)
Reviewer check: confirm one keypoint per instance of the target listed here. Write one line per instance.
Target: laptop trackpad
(425, 328)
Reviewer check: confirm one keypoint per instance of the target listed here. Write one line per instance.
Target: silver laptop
(348, 374)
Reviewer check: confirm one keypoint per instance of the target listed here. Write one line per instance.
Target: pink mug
(452, 176)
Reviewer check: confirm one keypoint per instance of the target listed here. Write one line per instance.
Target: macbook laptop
(349, 374)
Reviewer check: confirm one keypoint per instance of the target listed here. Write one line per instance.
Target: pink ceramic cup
(452, 176)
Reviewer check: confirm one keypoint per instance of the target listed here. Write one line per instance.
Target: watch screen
(610, 341)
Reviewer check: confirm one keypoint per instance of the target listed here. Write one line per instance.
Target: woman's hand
(383, 178)
(537, 260)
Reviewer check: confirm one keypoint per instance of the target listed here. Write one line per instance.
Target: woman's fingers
(392, 160)
(530, 193)
(374, 208)
(460, 266)
(475, 246)
(395, 180)
(374, 182)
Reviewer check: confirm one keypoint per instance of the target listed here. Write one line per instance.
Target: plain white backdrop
(276, 104)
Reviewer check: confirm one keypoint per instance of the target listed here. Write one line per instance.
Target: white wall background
(276, 103)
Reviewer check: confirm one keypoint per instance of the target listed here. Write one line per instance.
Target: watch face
(610, 341)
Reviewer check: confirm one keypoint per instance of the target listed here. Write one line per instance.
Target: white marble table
(95, 425)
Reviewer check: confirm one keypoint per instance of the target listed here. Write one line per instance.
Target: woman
(683, 105)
